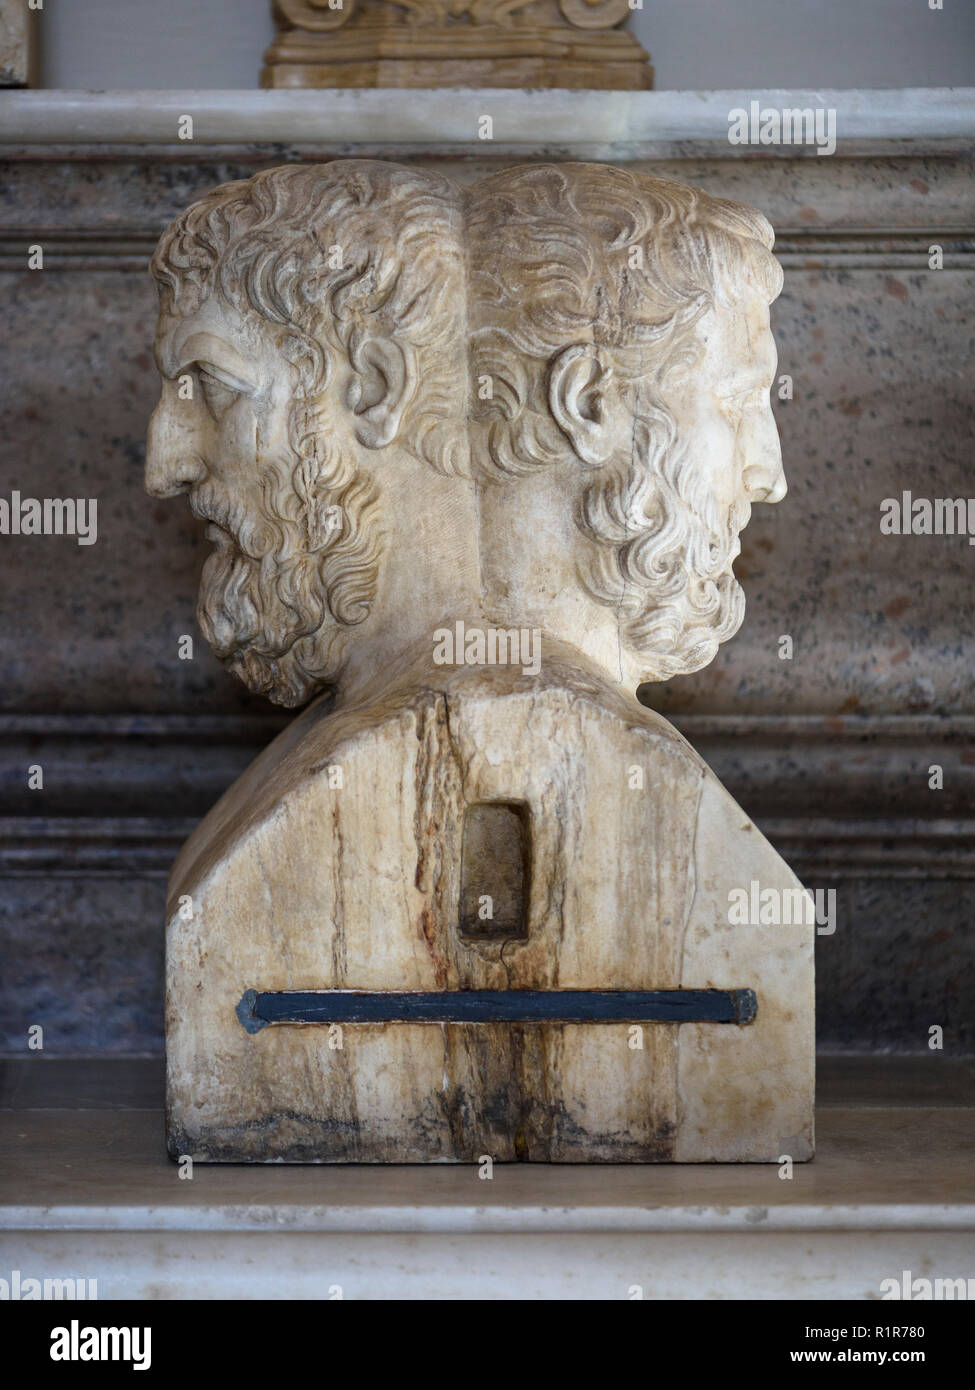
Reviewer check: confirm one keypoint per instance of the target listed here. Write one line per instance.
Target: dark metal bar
(256, 1010)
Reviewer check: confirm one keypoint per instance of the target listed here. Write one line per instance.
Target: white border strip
(446, 1218)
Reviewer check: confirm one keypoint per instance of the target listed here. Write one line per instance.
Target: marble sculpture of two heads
(540, 400)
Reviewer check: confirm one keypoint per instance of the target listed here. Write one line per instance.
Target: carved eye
(736, 401)
(218, 395)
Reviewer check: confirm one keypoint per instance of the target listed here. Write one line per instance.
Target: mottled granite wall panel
(82, 957)
(882, 365)
(94, 627)
(880, 352)
(901, 961)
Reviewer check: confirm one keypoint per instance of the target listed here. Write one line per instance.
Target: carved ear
(578, 383)
(382, 388)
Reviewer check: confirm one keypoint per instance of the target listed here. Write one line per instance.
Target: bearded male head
(311, 324)
(621, 360)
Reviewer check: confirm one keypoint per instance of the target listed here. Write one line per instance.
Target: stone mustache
(475, 463)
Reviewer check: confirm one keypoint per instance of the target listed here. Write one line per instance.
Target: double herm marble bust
(474, 462)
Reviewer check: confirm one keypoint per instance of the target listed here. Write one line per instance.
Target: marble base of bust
(302, 879)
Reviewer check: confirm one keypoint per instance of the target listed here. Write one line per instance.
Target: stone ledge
(426, 120)
(904, 1168)
(89, 1192)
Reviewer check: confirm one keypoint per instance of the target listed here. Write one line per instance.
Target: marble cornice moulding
(823, 849)
(827, 247)
(129, 822)
(617, 125)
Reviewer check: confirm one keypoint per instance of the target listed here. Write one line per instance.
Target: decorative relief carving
(594, 14)
(446, 43)
(18, 44)
(317, 16)
(475, 462)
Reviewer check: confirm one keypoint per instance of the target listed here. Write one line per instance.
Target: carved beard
(262, 604)
(667, 549)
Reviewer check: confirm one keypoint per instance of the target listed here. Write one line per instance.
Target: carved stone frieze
(449, 43)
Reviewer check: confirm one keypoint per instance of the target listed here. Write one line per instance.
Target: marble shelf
(87, 1191)
(617, 125)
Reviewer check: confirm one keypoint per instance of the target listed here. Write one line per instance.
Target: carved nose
(763, 475)
(172, 463)
(765, 484)
(778, 489)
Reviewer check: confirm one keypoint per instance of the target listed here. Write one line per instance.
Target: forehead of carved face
(724, 409)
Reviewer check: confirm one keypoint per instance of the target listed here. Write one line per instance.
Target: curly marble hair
(552, 264)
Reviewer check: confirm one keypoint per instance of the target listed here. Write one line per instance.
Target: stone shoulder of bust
(344, 861)
(544, 718)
